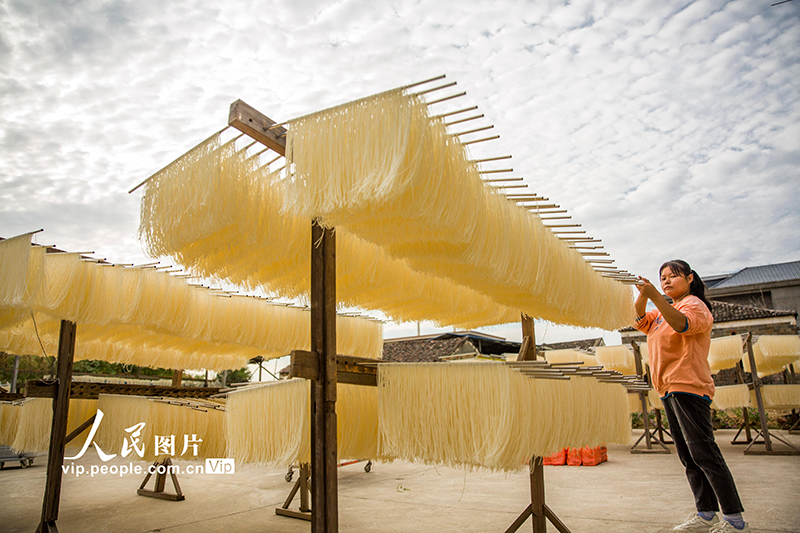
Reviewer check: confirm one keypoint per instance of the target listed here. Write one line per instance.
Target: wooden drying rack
(755, 385)
(61, 390)
(325, 368)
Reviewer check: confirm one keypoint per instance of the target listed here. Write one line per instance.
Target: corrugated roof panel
(762, 274)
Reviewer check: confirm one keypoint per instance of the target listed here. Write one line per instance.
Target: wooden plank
(58, 432)
(759, 400)
(528, 332)
(323, 390)
(349, 369)
(304, 364)
(248, 120)
(537, 495)
(92, 391)
(80, 429)
(177, 375)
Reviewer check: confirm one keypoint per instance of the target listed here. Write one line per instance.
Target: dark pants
(711, 482)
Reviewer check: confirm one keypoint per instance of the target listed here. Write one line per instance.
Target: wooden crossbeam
(92, 391)
(349, 369)
(248, 120)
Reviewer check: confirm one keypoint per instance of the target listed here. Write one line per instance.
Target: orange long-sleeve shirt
(679, 361)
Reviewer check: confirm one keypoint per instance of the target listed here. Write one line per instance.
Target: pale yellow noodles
(773, 353)
(730, 396)
(488, 415)
(259, 245)
(619, 358)
(570, 356)
(410, 211)
(725, 352)
(181, 426)
(149, 318)
(654, 399)
(269, 424)
(121, 413)
(9, 418)
(35, 420)
(413, 190)
(779, 397)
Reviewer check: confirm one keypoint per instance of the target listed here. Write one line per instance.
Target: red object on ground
(594, 456)
(574, 457)
(557, 459)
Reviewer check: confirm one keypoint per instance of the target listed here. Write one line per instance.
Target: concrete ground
(630, 493)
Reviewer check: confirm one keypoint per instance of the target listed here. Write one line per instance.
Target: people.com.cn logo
(220, 466)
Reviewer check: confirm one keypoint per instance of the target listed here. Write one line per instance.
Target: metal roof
(761, 274)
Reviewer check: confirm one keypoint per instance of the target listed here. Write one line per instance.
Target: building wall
(786, 298)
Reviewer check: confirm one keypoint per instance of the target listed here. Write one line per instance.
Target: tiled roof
(760, 274)
(425, 351)
(728, 312)
(584, 344)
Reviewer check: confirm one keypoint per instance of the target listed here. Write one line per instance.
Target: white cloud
(668, 129)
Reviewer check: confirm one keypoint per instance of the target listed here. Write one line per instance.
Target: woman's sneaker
(697, 523)
(726, 527)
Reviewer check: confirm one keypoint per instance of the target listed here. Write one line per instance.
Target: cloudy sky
(668, 129)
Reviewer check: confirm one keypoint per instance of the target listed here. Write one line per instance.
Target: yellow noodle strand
(619, 358)
(730, 396)
(487, 415)
(779, 397)
(725, 352)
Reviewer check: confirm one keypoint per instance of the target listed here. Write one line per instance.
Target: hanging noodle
(9, 419)
(773, 353)
(487, 415)
(35, 420)
(205, 427)
(269, 424)
(476, 258)
(725, 352)
(779, 397)
(411, 188)
(570, 356)
(149, 318)
(730, 396)
(232, 247)
(654, 399)
(619, 358)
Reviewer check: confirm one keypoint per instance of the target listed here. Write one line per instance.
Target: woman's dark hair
(696, 287)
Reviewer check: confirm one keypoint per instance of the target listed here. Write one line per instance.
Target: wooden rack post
(648, 435)
(324, 490)
(58, 431)
(162, 468)
(302, 485)
(764, 433)
(527, 351)
(745, 411)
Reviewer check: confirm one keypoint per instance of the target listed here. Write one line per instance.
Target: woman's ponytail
(698, 288)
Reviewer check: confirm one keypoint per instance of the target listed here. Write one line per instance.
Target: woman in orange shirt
(678, 338)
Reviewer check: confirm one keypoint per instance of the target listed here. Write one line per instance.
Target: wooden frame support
(82, 390)
(745, 411)
(349, 369)
(537, 509)
(324, 490)
(762, 415)
(58, 431)
(648, 435)
(302, 485)
(162, 467)
(527, 351)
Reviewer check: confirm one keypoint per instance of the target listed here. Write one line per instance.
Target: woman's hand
(647, 290)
